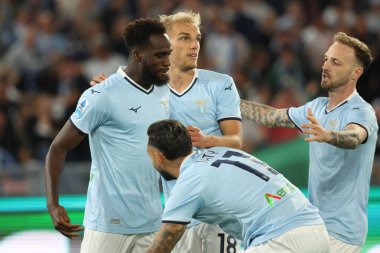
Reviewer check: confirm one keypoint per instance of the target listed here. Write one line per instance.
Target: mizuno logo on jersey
(355, 108)
(134, 109)
(228, 88)
(94, 91)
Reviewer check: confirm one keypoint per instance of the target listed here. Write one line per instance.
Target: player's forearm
(53, 169)
(265, 115)
(346, 139)
(167, 238)
(230, 141)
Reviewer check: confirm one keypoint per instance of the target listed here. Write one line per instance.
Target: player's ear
(356, 73)
(136, 55)
(160, 157)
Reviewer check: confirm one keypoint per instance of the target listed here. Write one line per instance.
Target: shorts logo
(115, 221)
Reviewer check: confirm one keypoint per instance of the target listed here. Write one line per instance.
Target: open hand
(314, 129)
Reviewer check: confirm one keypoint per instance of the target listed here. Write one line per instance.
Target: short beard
(150, 77)
(336, 84)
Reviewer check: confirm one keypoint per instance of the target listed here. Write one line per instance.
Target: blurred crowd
(51, 49)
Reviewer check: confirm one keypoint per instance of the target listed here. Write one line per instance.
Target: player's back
(246, 197)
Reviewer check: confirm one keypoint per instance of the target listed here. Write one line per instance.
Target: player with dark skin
(148, 64)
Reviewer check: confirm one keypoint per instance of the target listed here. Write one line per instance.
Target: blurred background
(51, 49)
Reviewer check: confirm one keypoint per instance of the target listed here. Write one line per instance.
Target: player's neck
(174, 166)
(180, 80)
(338, 96)
(137, 77)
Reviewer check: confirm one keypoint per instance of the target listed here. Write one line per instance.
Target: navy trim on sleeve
(287, 112)
(230, 118)
(80, 131)
(365, 140)
(176, 222)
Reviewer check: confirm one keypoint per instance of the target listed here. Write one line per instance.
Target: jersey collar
(121, 72)
(343, 102)
(193, 81)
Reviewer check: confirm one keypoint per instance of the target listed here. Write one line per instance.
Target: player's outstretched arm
(232, 136)
(66, 139)
(265, 115)
(167, 237)
(349, 138)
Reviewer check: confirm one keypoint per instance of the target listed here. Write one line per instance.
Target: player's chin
(162, 79)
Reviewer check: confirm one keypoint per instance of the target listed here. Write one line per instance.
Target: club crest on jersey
(332, 124)
(81, 107)
(201, 105)
(165, 104)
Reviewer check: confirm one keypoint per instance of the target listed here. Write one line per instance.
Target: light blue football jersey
(244, 196)
(123, 194)
(212, 97)
(339, 179)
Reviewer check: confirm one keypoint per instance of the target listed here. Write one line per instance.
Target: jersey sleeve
(91, 111)
(363, 116)
(228, 100)
(298, 114)
(184, 201)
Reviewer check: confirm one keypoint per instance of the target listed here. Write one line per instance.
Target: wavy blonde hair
(182, 16)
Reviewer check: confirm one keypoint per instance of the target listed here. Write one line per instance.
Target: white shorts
(306, 239)
(206, 238)
(337, 246)
(100, 242)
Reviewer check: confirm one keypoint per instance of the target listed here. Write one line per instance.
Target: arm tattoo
(347, 139)
(265, 115)
(167, 238)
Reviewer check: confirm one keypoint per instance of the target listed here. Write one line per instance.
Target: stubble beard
(153, 78)
(331, 85)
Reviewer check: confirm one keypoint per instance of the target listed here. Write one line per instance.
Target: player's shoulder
(318, 102)
(103, 90)
(212, 76)
(357, 103)
(358, 100)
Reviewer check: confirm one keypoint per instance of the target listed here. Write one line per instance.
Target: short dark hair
(171, 138)
(362, 52)
(138, 31)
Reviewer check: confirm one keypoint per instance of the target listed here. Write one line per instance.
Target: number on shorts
(231, 243)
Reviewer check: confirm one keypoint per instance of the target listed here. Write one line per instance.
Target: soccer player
(205, 101)
(123, 208)
(229, 187)
(208, 103)
(342, 131)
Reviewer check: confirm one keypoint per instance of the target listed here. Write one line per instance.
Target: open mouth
(325, 76)
(192, 55)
